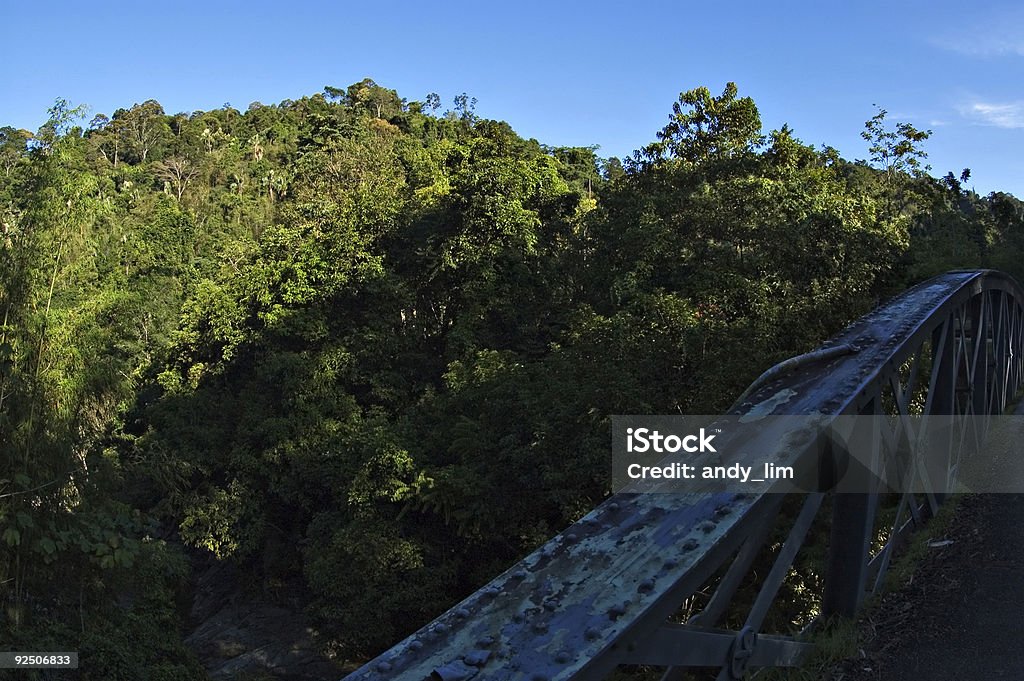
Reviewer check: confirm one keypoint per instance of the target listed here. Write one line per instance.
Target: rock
(235, 634)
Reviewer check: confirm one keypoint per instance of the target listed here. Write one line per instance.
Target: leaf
(12, 536)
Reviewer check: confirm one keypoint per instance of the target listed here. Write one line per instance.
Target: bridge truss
(656, 579)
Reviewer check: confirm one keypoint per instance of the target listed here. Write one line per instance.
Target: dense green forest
(366, 351)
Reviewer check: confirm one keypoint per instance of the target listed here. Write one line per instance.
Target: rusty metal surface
(565, 610)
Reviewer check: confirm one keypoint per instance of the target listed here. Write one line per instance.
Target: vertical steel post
(978, 356)
(853, 519)
(941, 403)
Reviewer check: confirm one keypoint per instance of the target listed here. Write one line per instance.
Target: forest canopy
(366, 351)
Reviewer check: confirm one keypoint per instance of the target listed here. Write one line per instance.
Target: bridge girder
(605, 591)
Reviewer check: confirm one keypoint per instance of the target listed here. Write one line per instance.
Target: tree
(703, 128)
(611, 169)
(581, 167)
(143, 128)
(13, 147)
(177, 172)
(895, 151)
(106, 137)
(898, 154)
(368, 97)
(465, 107)
(334, 94)
(63, 117)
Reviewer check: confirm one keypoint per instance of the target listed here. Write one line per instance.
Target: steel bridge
(610, 590)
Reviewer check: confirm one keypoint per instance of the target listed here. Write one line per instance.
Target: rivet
(646, 585)
(592, 633)
(477, 658)
(689, 544)
(416, 646)
(670, 564)
(519, 574)
(485, 642)
(614, 506)
(462, 613)
(617, 610)
(383, 667)
(562, 657)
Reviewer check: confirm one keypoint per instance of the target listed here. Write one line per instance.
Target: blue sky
(566, 73)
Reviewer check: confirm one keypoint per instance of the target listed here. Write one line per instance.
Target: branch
(14, 494)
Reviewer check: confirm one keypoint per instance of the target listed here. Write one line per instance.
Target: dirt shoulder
(955, 614)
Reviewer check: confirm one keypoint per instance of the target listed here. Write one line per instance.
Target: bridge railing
(610, 590)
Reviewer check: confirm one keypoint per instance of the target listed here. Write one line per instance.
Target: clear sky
(567, 73)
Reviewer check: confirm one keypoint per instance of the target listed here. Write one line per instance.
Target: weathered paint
(560, 612)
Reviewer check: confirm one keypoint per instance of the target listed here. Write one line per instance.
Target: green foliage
(125, 639)
(897, 154)
(371, 584)
(895, 151)
(703, 128)
(369, 354)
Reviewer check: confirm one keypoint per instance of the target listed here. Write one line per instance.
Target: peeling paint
(767, 407)
(559, 612)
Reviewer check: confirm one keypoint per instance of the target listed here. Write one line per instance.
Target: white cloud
(1009, 115)
(987, 46)
(996, 35)
(934, 121)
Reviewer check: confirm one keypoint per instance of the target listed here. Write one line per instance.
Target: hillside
(364, 352)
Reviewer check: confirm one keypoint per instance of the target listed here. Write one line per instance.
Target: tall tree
(704, 128)
(899, 155)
